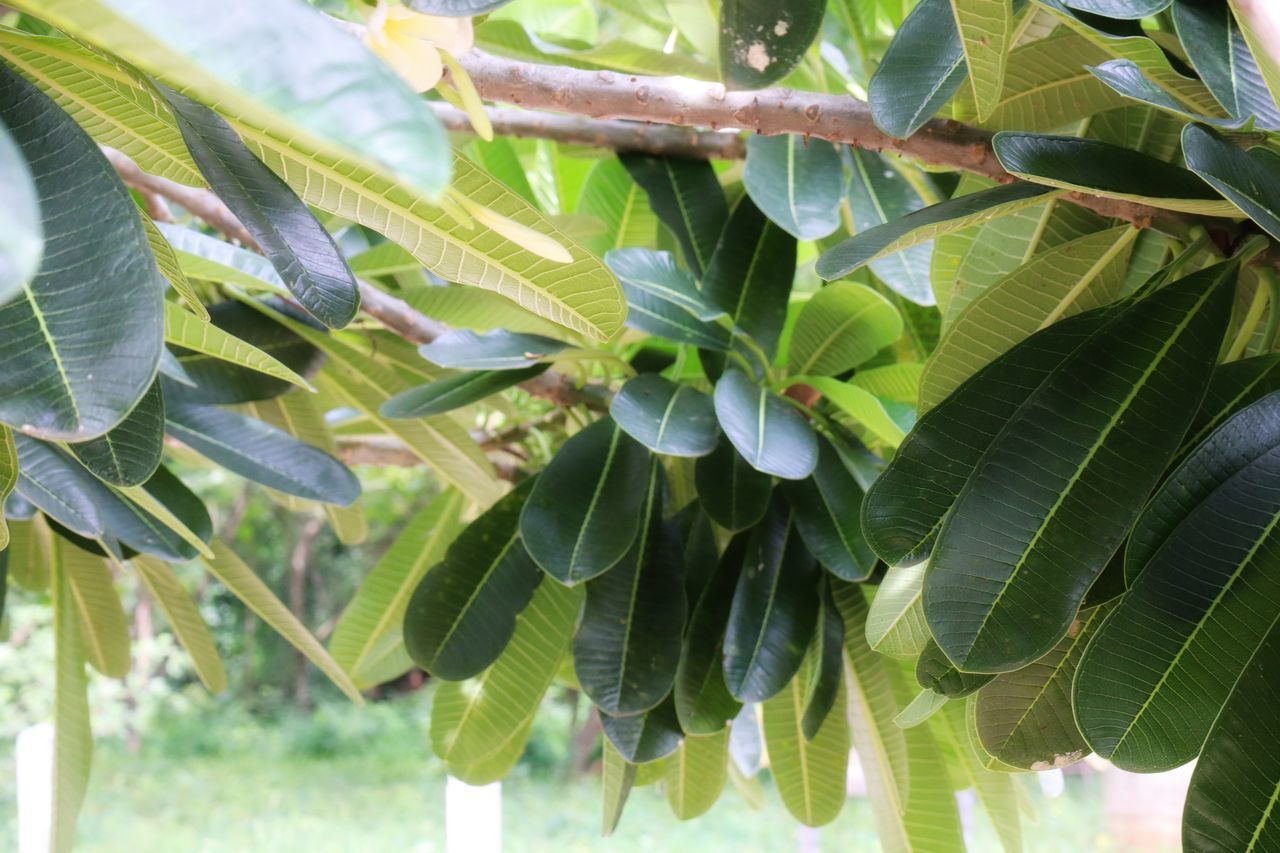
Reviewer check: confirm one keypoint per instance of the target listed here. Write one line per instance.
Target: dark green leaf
(750, 275)
(58, 486)
(733, 494)
(663, 300)
(772, 436)
(129, 453)
(628, 642)
(454, 392)
(1250, 179)
(922, 68)
(463, 613)
(878, 193)
(828, 514)
(703, 701)
(1005, 584)
(1125, 77)
(1123, 9)
(81, 344)
(687, 199)
(775, 609)
(297, 245)
(262, 453)
(666, 417)
(497, 350)
(584, 513)
(185, 505)
(796, 182)
(1216, 47)
(825, 682)
(1232, 387)
(934, 672)
(647, 737)
(762, 40)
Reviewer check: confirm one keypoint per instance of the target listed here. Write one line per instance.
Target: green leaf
(321, 88)
(1124, 9)
(1217, 48)
(827, 507)
(1246, 178)
(695, 774)
(1024, 719)
(1087, 165)
(1231, 800)
(1127, 78)
(181, 526)
(367, 640)
(860, 404)
(129, 453)
(185, 620)
(824, 667)
(167, 261)
(879, 193)
(773, 437)
(663, 299)
(297, 245)
(1128, 382)
(454, 392)
(498, 350)
(775, 609)
(584, 512)
(687, 198)
(58, 486)
(455, 8)
(1085, 273)
(920, 709)
(761, 42)
(8, 478)
(463, 612)
(843, 325)
(72, 737)
(926, 224)
(809, 773)
(750, 274)
(201, 256)
(905, 507)
(732, 493)
(703, 702)
(1232, 387)
(617, 775)
(895, 623)
(996, 791)
(22, 245)
(611, 196)
(645, 738)
(245, 585)
(920, 71)
(104, 629)
(1247, 15)
(986, 33)
(262, 453)
(75, 367)
(497, 763)
(796, 182)
(937, 674)
(666, 417)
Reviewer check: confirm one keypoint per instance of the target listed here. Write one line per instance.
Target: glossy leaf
(666, 417)
(922, 68)
(129, 453)
(58, 486)
(75, 367)
(1217, 48)
(645, 738)
(824, 669)
(497, 350)
(584, 512)
(732, 493)
(773, 437)
(879, 193)
(703, 702)
(1246, 178)
(827, 508)
(1124, 9)
(454, 392)
(687, 199)
(937, 674)
(663, 299)
(1126, 78)
(843, 325)
(22, 245)
(760, 41)
(795, 182)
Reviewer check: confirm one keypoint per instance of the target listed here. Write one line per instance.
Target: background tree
(935, 417)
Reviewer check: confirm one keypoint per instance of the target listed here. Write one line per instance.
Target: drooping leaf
(611, 196)
(863, 406)
(895, 623)
(498, 350)
(59, 486)
(663, 299)
(1216, 47)
(760, 41)
(666, 417)
(808, 770)
(104, 629)
(732, 493)
(773, 437)
(1129, 382)
(879, 193)
(824, 669)
(1124, 9)
(454, 392)
(1247, 178)
(8, 478)
(129, 453)
(645, 738)
(185, 620)
(617, 776)
(920, 71)
(1125, 77)
(843, 325)
(939, 675)
(72, 737)
(75, 364)
(828, 515)
(775, 609)
(695, 774)
(584, 512)
(687, 198)
(986, 34)
(22, 245)
(996, 791)
(795, 182)
(703, 702)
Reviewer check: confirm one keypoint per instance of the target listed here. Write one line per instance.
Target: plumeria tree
(804, 376)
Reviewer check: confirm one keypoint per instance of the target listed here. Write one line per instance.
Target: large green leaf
(104, 629)
(695, 774)
(454, 392)
(129, 453)
(687, 199)
(879, 193)
(1127, 78)
(775, 609)
(22, 245)
(82, 342)
(367, 641)
(497, 350)
(202, 256)
(1023, 718)
(809, 773)
(1231, 800)
(627, 646)
(760, 41)
(1078, 490)
(72, 737)
(1216, 47)
(8, 478)
(584, 512)
(320, 87)
(611, 196)
(185, 620)
(843, 325)
(750, 274)
(1251, 20)
(920, 71)
(863, 406)
(463, 613)
(297, 245)
(59, 486)
(772, 436)
(938, 675)
(926, 224)
(1232, 387)
(1248, 179)
(663, 299)
(617, 776)
(996, 791)
(1085, 273)
(703, 701)
(986, 33)
(732, 493)
(827, 507)
(1123, 9)
(666, 417)
(824, 668)
(645, 738)
(796, 182)
(895, 623)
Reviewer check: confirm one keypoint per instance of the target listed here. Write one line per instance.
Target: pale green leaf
(185, 620)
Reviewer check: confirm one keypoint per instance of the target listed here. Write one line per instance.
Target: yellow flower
(411, 43)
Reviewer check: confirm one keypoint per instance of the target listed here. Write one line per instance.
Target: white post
(34, 759)
(472, 817)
